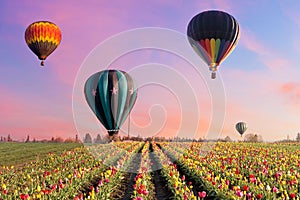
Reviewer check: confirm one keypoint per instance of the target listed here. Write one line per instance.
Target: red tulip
(245, 188)
(24, 196)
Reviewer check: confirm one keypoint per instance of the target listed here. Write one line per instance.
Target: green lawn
(16, 154)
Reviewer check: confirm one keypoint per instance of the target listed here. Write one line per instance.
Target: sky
(259, 80)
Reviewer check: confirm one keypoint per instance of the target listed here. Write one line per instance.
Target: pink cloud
(257, 119)
(39, 128)
(37, 125)
(23, 115)
(252, 43)
(291, 90)
(277, 63)
(262, 98)
(268, 56)
(257, 100)
(288, 87)
(226, 6)
(235, 8)
(291, 11)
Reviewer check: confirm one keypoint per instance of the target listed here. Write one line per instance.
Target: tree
(9, 138)
(298, 137)
(27, 139)
(59, 140)
(98, 139)
(87, 138)
(227, 139)
(253, 138)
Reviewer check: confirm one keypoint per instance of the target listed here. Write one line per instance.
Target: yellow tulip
(38, 188)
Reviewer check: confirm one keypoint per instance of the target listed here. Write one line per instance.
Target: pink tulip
(275, 190)
(249, 195)
(239, 193)
(202, 194)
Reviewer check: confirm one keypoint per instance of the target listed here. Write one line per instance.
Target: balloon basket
(213, 75)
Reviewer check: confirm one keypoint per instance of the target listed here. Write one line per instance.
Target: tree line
(105, 139)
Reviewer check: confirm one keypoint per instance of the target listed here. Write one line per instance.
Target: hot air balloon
(241, 127)
(42, 37)
(213, 35)
(111, 95)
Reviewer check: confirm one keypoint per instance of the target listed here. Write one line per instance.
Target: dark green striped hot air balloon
(213, 34)
(111, 95)
(241, 127)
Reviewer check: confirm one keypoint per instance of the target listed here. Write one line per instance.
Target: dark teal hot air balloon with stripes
(241, 127)
(111, 94)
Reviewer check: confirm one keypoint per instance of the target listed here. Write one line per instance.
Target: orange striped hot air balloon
(42, 37)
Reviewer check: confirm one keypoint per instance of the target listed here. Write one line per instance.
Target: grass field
(16, 154)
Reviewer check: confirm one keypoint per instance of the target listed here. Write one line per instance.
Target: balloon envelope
(241, 127)
(42, 37)
(111, 95)
(213, 35)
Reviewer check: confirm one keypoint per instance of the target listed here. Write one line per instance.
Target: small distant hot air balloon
(241, 127)
(111, 95)
(42, 37)
(213, 35)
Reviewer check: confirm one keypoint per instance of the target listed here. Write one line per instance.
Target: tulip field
(158, 170)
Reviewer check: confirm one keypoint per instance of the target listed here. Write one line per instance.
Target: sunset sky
(260, 77)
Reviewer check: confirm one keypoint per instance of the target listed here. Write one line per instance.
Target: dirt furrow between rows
(195, 181)
(125, 190)
(162, 192)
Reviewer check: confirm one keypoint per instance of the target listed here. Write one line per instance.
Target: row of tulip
(143, 186)
(113, 161)
(176, 183)
(243, 170)
(111, 178)
(56, 176)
